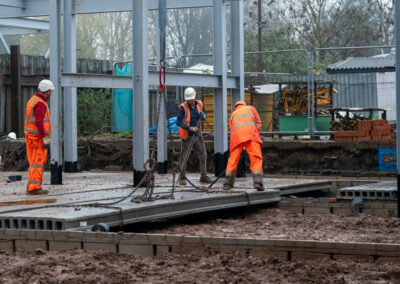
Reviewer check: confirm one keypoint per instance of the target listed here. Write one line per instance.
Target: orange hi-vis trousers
(253, 150)
(37, 156)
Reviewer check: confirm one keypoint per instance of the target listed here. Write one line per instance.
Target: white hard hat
(190, 94)
(45, 85)
(12, 135)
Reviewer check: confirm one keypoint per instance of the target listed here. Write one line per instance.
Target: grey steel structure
(141, 77)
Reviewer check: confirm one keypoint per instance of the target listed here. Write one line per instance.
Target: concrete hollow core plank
(69, 211)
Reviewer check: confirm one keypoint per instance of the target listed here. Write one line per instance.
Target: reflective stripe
(242, 124)
(32, 105)
(256, 173)
(242, 115)
(35, 131)
(34, 181)
(36, 166)
(258, 127)
(34, 121)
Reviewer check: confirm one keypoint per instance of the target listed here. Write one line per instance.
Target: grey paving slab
(386, 190)
(103, 187)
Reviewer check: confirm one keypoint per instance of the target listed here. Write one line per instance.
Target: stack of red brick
(369, 130)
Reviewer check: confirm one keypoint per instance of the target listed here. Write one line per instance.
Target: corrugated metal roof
(363, 65)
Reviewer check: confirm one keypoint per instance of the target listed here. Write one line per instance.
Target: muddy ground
(290, 157)
(77, 266)
(276, 223)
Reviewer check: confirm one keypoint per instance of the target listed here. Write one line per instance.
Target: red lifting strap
(162, 86)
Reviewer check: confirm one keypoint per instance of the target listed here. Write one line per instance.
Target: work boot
(229, 181)
(205, 179)
(258, 181)
(37, 192)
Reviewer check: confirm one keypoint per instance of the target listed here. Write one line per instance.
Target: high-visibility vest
(30, 121)
(186, 119)
(244, 126)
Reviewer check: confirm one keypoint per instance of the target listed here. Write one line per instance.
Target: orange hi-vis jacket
(245, 125)
(30, 121)
(184, 133)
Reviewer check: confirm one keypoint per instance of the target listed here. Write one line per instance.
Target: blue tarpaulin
(172, 124)
(122, 103)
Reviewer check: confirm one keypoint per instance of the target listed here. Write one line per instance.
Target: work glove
(202, 115)
(193, 129)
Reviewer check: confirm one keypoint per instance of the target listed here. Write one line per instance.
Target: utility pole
(260, 59)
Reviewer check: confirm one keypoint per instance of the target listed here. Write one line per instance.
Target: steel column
(237, 48)
(70, 106)
(140, 99)
(220, 94)
(56, 99)
(397, 38)
(162, 153)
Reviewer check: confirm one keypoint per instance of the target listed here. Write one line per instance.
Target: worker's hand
(46, 140)
(193, 129)
(203, 115)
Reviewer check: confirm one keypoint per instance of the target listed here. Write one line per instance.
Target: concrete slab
(76, 207)
(386, 190)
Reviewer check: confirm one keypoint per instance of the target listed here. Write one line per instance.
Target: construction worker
(37, 128)
(189, 119)
(245, 126)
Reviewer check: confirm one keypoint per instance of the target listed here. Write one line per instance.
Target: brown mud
(303, 158)
(276, 223)
(79, 266)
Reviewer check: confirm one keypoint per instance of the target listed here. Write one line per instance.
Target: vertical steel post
(237, 59)
(220, 95)
(237, 47)
(140, 96)
(70, 111)
(162, 153)
(56, 98)
(397, 36)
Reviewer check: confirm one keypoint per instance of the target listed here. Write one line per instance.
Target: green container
(299, 123)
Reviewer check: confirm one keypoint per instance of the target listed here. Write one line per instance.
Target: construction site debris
(369, 130)
(295, 102)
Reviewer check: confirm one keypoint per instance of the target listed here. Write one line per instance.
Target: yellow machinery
(295, 102)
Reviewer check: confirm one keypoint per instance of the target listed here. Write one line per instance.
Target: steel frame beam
(70, 105)
(141, 88)
(80, 80)
(20, 31)
(4, 43)
(56, 99)
(29, 24)
(13, 3)
(36, 8)
(220, 94)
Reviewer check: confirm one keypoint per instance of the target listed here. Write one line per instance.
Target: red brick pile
(369, 130)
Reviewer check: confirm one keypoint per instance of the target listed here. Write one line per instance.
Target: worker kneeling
(245, 126)
(190, 121)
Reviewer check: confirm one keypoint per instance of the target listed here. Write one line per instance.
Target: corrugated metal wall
(354, 89)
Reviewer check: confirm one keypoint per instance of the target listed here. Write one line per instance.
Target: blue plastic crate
(387, 159)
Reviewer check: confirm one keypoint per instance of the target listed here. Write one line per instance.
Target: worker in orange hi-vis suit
(245, 126)
(37, 127)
